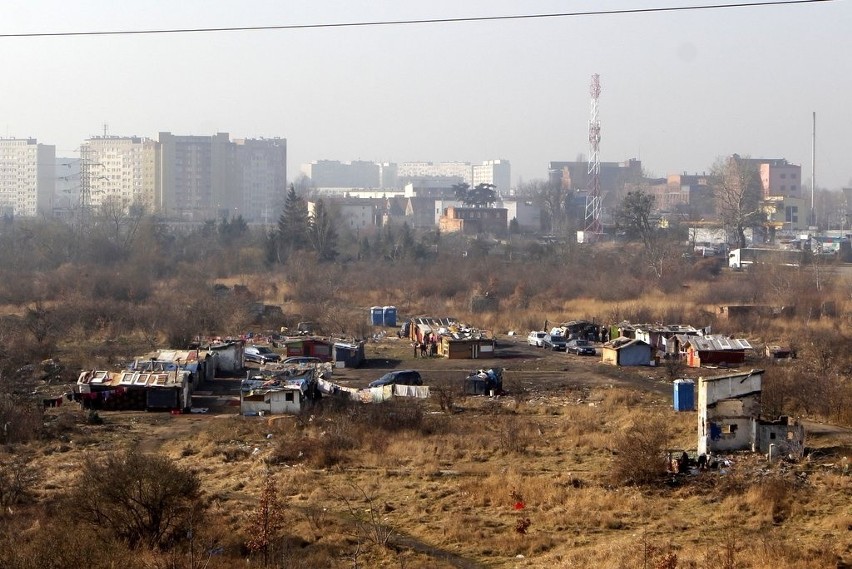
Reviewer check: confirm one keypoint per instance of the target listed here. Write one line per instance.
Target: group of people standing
(428, 347)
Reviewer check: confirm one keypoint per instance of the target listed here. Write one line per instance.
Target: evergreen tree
(292, 232)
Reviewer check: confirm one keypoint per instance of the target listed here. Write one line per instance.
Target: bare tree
(144, 500)
(267, 521)
(738, 193)
(550, 197)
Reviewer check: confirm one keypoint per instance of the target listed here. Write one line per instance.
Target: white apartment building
(496, 172)
(461, 170)
(27, 177)
(121, 170)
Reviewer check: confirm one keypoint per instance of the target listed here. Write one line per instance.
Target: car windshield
(581, 342)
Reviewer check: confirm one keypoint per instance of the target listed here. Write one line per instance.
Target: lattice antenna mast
(593, 200)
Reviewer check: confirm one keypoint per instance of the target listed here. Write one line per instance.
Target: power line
(414, 22)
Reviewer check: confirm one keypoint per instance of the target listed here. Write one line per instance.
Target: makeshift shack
(227, 357)
(284, 399)
(712, 350)
(626, 352)
(313, 347)
(348, 354)
(135, 390)
(466, 348)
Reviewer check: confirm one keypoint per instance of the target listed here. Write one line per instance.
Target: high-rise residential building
(496, 172)
(120, 170)
(262, 176)
(196, 176)
(209, 177)
(27, 177)
(388, 175)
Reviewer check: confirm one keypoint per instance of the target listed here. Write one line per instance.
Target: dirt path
(403, 541)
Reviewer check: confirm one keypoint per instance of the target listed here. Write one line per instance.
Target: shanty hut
(713, 350)
(313, 347)
(135, 390)
(348, 354)
(626, 352)
(466, 348)
(284, 399)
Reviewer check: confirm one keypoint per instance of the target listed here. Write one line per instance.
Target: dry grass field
(566, 469)
(522, 480)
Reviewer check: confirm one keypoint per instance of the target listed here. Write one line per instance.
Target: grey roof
(743, 375)
(715, 343)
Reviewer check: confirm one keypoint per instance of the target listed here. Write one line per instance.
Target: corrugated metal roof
(132, 378)
(715, 343)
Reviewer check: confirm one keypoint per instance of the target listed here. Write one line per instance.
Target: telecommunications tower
(593, 198)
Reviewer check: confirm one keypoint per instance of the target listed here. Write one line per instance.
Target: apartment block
(262, 177)
(121, 170)
(355, 174)
(780, 178)
(27, 177)
(496, 172)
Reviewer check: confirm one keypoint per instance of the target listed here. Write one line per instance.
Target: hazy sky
(678, 89)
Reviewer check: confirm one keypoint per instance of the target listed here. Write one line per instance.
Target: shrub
(17, 480)
(140, 499)
(640, 452)
(20, 418)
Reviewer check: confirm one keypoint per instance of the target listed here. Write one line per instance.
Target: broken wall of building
(788, 439)
(728, 411)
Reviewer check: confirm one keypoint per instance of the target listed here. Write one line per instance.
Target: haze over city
(679, 88)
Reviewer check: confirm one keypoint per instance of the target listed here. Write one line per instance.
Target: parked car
(260, 354)
(301, 360)
(581, 347)
(401, 377)
(536, 338)
(553, 342)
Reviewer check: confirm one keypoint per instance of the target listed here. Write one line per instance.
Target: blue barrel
(376, 315)
(684, 395)
(390, 316)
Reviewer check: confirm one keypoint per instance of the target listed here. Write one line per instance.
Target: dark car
(581, 348)
(553, 342)
(401, 377)
(260, 354)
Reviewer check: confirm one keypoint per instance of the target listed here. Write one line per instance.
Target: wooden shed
(466, 348)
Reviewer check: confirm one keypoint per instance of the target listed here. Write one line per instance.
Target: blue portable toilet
(684, 395)
(376, 315)
(390, 316)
